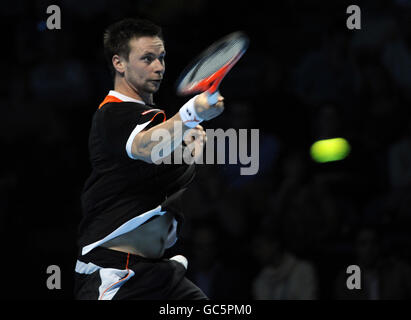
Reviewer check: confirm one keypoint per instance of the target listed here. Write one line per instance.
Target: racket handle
(212, 98)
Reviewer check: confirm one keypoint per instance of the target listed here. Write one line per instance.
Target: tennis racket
(206, 72)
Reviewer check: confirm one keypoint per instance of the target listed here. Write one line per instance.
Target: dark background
(305, 77)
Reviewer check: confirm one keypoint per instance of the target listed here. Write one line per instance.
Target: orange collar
(108, 99)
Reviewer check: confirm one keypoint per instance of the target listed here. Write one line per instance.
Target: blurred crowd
(288, 232)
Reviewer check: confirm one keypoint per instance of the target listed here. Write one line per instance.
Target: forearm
(166, 136)
(160, 141)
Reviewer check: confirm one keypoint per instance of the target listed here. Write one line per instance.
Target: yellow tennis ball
(330, 150)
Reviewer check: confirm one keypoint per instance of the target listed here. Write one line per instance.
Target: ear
(119, 63)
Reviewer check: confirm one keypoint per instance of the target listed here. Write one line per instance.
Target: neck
(122, 86)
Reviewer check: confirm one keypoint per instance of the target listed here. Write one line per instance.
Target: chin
(155, 90)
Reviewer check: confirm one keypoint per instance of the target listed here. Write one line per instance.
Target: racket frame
(211, 84)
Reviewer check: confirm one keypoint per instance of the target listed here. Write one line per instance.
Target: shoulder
(118, 107)
(130, 111)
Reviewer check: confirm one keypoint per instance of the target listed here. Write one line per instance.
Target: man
(131, 204)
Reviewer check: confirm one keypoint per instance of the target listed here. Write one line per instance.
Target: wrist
(189, 115)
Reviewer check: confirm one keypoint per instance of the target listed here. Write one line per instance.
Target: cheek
(134, 73)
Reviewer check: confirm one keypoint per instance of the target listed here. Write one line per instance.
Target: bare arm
(144, 141)
(169, 134)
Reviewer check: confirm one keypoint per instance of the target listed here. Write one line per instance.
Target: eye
(148, 59)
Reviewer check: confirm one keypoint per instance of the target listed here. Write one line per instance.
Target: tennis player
(131, 205)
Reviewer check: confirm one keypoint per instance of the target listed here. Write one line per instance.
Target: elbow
(142, 154)
(154, 151)
(137, 150)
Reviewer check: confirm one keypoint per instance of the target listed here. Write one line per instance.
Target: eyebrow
(163, 53)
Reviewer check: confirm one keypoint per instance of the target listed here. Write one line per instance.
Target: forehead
(146, 44)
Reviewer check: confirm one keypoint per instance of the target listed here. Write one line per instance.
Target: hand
(204, 110)
(195, 140)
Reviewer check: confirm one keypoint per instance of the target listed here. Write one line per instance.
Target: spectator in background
(327, 73)
(205, 265)
(400, 161)
(393, 205)
(283, 276)
(382, 278)
(396, 57)
(208, 268)
(62, 80)
(399, 173)
(304, 206)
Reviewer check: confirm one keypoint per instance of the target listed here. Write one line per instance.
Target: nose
(159, 66)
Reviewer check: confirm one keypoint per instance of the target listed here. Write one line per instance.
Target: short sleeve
(119, 123)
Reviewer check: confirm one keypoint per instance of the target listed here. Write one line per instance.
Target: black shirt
(120, 188)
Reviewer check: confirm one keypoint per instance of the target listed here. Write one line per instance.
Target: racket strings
(223, 53)
(217, 59)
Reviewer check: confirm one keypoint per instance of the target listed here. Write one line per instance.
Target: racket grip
(212, 98)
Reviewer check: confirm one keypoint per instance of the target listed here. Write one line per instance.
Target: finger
(197, 132)
(219, 104)
(219, 107)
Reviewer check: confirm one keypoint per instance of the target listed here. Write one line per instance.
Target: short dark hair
(118, 35)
